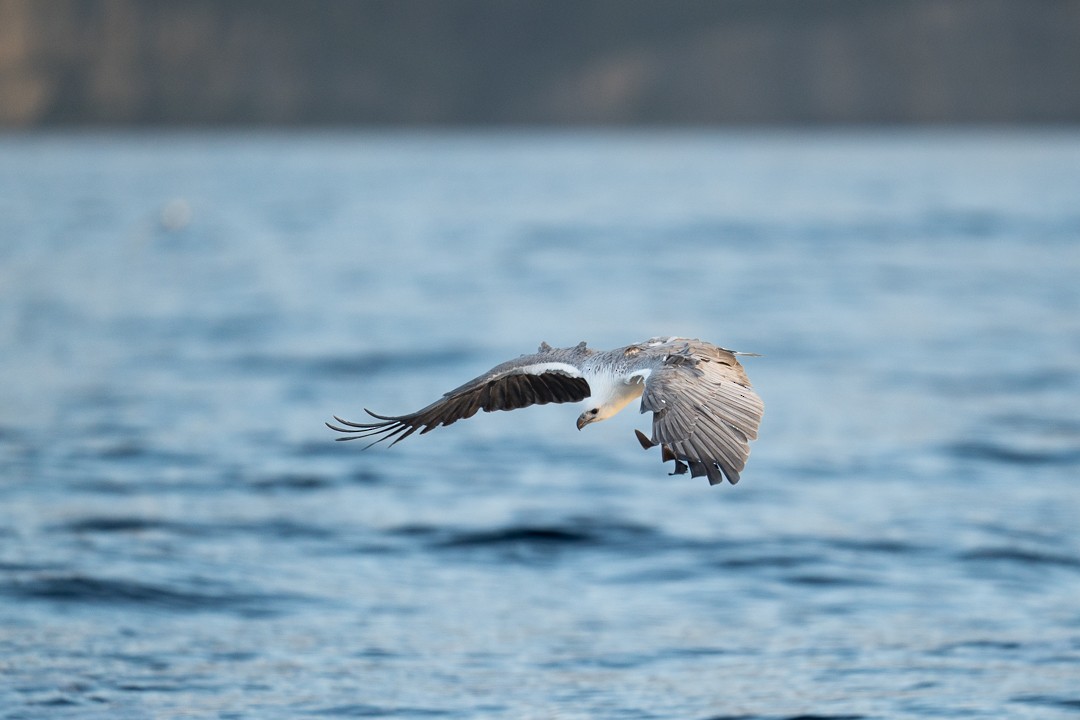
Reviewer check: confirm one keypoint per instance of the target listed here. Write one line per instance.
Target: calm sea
(180, 536)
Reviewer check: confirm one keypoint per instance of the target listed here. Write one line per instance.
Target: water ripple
(786, 717)
(368, 711)
(767, 561)
(364, 365)
(1049, 701)
(1001, 453)
(280, 528)
(83, 589)
(580, 533)
(543, 537)
(977, 646)
(820, 580)
(1022, 557)
(292, 481)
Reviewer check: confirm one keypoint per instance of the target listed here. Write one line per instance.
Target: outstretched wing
(546, 377)
(704, 412)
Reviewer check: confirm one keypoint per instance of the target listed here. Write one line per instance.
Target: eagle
(704, 410)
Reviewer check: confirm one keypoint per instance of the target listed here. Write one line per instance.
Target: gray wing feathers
(549, 376)
(704, 411)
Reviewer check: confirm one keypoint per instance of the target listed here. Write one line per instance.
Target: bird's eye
(594, 411)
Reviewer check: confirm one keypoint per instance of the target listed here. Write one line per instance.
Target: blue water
(180, 536)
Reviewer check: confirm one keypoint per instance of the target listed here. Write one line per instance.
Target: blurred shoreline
(489, 63)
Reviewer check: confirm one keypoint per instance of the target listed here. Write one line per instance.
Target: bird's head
(590, 416)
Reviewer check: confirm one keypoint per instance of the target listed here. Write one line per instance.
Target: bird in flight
(704, 409)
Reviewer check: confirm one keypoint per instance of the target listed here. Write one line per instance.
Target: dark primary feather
(508, 386)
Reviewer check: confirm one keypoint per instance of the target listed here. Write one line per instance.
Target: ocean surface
(181, 537)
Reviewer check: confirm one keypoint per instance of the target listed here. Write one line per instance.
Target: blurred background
(223, 222)
(598, 62)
